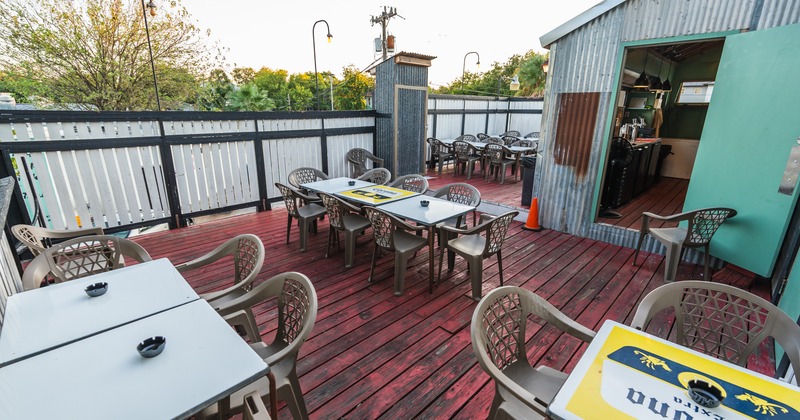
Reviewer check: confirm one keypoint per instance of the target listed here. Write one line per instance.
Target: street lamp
(464, 67)
(514, 85)
(314, 43)
(150, 5)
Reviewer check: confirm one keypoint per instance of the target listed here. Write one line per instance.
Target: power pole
(383, 20)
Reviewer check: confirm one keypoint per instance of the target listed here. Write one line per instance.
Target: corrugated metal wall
(585, 62)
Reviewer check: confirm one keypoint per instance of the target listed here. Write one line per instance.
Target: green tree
(532, 77)
(243, 75)
(95, 52)
(274, 83)
(249, 98)
(350, 93)
(213, 94)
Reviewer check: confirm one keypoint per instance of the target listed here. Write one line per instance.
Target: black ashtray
(351, 183)
(152, 346)
(96, 289)
(424, 203)
(705, 394)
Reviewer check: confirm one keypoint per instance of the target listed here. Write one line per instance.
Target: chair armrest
(243, 319)
(469, 231)
(254, 407)
(198, 262)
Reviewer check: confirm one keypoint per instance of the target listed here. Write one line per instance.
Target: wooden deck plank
(374, 354)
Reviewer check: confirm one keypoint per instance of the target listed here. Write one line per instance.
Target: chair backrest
(467, 137)
(461, 193)
(380, 176)
(81, 257)
(498, 332)
(532, 135)
(482, 136)
(462, 149)
(437, 147)
(290, 196)
(704, 223)
(305, 175)
(37, 239)
(411, 182)
(494, 140)
(496, 232)
(297, 310)
(511, 133)
(247, 252)
(384, 226)
(509, 140)
(495, 152)
(357, 157)
(336, 209)
(721, 320)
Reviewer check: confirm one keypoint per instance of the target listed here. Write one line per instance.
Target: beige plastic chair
(305, 175)
(81, 257)
(498, 330)
(246, 253)
(254, 407)
(483, 137)
(702, 224)
(440, 152)
(461, 193)
(391, 234)
(412, 182)
(466, 155)
(358, 157)
(533, 135)
(37, 239)
(343, 217)
(721, 320)
(380, 176)
(475, 247)
(297, 312)
(300, 207)
(514, 133)
(497, 159)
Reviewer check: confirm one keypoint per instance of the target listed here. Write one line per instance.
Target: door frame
(396, 129)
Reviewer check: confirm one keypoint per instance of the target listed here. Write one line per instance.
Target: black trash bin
(666, 150)
(529, 168)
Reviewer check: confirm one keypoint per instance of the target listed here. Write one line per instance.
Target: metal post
(314, 43)
(150, 5)
(464, 67)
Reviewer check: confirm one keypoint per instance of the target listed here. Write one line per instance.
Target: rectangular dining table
(375, 195)
(335, 185)
(103, 376)
(436, 212)
(626, 373)
(42, 319)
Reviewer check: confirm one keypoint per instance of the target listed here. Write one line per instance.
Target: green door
(751, 128)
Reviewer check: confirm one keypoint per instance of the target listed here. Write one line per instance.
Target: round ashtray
(705, 394)
(351, 183)
(424, 203)
(152, 346)
(96, 289)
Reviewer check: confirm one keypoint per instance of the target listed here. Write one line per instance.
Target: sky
(278, 34)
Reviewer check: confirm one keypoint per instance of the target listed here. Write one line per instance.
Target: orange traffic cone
(533, 217)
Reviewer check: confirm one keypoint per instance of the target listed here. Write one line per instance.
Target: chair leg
(476, 276)
(500, 266)
(372, 266)
(672, 260)
(288, 228)
(349, 248)
(293, 396)
(642, 234)
(706, 259)
(330, 241)
(441, 257)
(302, 224)
(400, 262)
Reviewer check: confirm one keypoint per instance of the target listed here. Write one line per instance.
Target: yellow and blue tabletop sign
(639, 377)
(376, 194)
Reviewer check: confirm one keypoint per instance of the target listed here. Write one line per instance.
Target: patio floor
(375, 355)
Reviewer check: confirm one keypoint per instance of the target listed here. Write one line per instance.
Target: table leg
(431, 235)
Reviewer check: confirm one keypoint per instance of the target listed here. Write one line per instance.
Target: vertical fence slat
(92, 188)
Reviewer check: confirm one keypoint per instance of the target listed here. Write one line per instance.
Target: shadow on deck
(373, 354)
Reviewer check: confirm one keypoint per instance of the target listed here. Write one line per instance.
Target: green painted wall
(687, 121)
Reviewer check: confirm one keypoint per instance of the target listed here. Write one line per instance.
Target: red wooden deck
(375, 355)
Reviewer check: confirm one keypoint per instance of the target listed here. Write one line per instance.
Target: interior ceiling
(681, 52)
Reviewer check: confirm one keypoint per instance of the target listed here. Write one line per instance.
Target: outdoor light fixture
(150, 5)
(314, 44)
(464, 67)
(514, 83)
(546, 66)
(667, 86)
(643, 81)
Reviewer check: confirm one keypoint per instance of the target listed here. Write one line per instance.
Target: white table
(104, 376)
(438, 211)
(335, 185)
(624, 372)
(42, 319)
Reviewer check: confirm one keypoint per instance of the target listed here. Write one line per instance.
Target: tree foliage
(496, 80)
(249, 98)
(94, 52)
(350, 93)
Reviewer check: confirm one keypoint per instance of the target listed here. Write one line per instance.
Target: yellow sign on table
(376, 195)
(631, 374)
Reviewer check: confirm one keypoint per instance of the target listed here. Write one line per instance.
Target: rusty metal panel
(577, 117)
